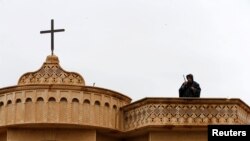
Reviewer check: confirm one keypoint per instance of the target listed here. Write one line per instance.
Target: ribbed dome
(51, 73)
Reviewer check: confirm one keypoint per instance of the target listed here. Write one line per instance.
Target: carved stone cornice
(51, 73)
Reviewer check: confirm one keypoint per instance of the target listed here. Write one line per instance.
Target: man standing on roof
(189, 88)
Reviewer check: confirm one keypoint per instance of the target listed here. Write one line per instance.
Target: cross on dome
(52, 31)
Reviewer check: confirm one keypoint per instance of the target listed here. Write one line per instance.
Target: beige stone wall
(178, 136)
(95, 108)
(51, 135)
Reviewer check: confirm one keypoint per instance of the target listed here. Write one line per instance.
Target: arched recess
(86, 111)
(63, 99)
(9, 102)
(52, 110)
(1, 104)
(18, 101)
(2, 116)
(97, 112)
(114, 116)
(40, 110)
(19, 111)
(75, 100)
(28, 100)
(106, 114)
(10, 112)
(97, 103)
(63, 110)
(52, 99)
(75, 110)
(40, 99)
(29, 110)
(86, 101)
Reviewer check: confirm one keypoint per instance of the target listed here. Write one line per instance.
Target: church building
(52, 104)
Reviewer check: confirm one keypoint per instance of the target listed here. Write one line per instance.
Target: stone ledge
(184, 112)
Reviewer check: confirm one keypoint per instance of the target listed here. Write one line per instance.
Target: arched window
(114, 107)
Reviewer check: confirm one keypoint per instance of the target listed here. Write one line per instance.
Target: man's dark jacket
(186, 90)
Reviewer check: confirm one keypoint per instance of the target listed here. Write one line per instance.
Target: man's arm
(182, 89)
(196, 89)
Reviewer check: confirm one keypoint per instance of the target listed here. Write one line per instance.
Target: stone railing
(164, 112)
(61, 104)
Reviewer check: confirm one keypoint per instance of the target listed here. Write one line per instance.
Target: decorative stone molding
(184, 112)
(51, 73)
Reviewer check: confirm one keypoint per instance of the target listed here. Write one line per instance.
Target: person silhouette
(189, 88)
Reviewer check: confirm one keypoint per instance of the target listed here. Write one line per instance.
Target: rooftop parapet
(181, 112)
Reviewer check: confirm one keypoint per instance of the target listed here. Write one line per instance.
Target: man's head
(190, 78)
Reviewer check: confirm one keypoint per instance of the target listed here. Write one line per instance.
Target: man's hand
(184, 85)
(193, 88)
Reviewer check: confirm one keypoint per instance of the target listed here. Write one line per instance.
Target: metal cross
(52, 31)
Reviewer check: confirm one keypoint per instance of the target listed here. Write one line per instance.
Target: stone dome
(51, 73)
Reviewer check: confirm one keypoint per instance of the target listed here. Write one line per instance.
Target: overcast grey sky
(140, 48)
